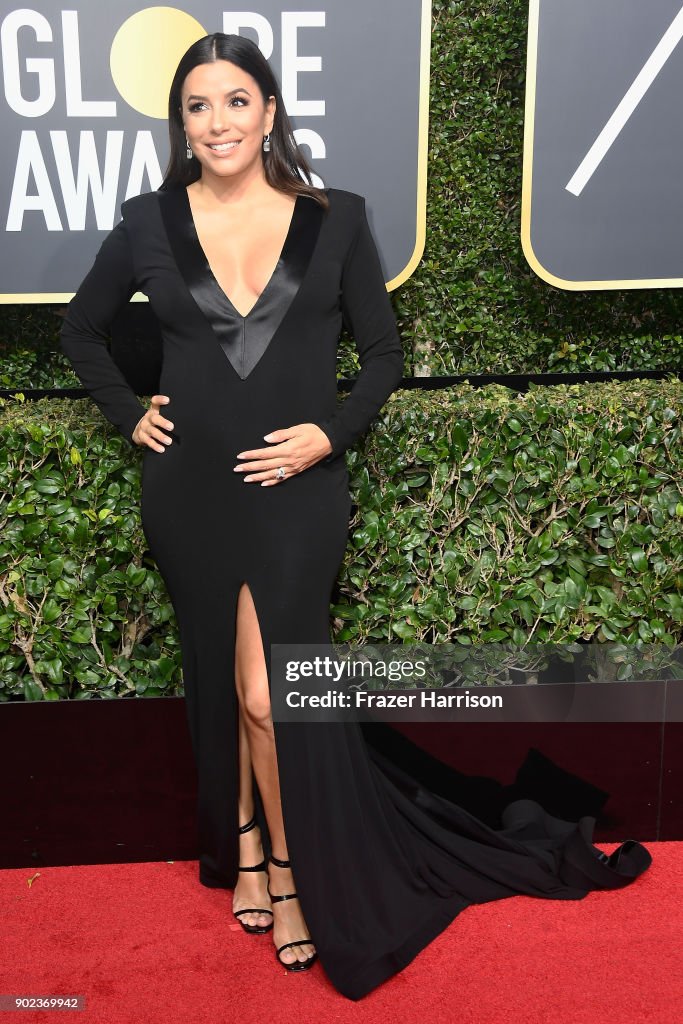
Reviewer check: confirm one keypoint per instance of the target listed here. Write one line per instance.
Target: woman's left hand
(294, 448)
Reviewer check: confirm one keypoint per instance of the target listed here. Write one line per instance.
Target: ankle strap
(279, 863)
(249, 825)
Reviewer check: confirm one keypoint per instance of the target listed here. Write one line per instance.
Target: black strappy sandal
(253, 929)
(297, 965)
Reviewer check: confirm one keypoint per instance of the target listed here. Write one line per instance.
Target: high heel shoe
(253, 929)
(297, 965)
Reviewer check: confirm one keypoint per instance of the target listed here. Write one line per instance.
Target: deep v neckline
(244, 340)
(201, 252)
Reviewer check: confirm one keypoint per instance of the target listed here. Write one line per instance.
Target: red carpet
(148, 943)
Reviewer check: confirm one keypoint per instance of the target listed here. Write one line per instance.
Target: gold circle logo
(145, 53)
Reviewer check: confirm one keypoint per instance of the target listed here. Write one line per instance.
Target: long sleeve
(369, 316)
(106, 288)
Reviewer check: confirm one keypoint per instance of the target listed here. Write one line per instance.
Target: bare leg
(251, 680)
(251, 888)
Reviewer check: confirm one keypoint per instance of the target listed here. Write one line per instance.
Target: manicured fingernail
(248, 478)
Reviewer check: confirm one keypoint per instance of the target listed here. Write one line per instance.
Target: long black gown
(382, 862)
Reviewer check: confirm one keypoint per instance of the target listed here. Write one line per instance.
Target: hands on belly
(293, 450)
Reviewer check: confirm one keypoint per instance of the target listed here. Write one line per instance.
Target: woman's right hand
(147, 428)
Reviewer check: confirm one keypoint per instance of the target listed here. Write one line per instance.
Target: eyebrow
(231, 93)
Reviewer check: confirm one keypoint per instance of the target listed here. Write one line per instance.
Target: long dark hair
(285, 166)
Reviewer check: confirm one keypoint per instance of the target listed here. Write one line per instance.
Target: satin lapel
(244, 340)
(278, 295)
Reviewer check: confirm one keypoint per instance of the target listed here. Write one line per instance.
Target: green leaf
(639, 559)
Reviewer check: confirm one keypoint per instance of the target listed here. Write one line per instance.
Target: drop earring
(266, 143)
(189, 148)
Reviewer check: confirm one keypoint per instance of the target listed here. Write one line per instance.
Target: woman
(245, 506)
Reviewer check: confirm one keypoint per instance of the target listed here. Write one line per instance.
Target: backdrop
(603, 148)
(83, 119)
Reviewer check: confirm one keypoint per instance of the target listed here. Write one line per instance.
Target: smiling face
(225, 118)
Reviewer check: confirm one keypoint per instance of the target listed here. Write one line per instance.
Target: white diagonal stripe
(628, 104)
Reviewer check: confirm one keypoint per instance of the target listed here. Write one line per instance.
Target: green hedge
(480, 516)
(473, 305)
